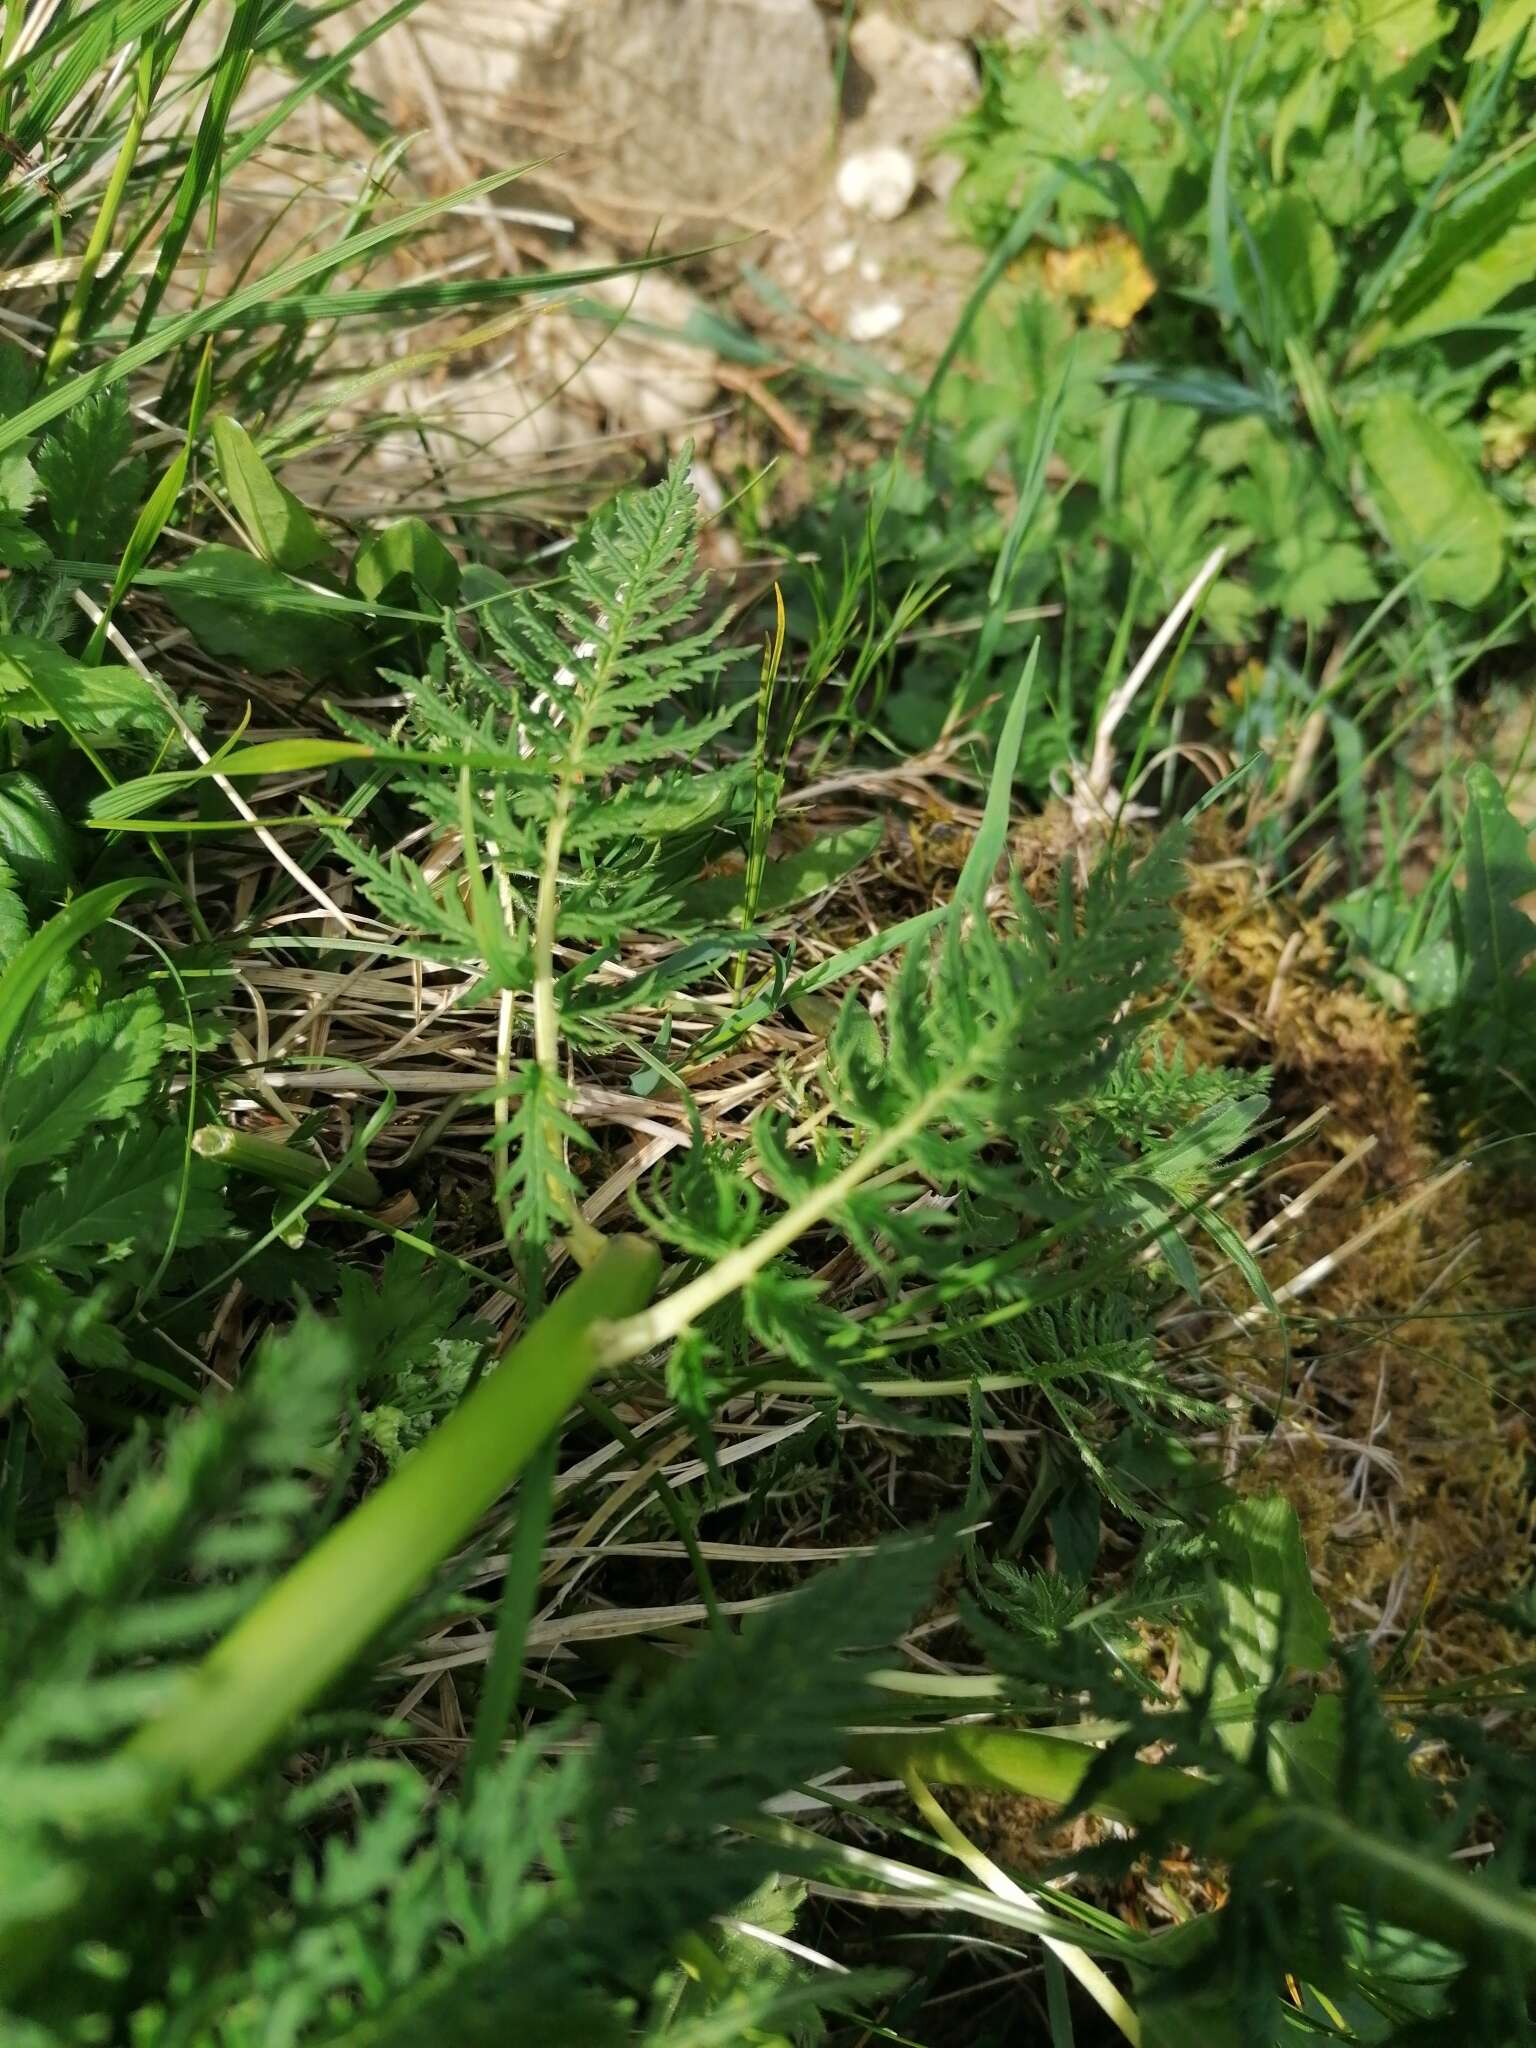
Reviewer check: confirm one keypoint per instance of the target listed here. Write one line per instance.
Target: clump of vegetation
(1258, 280)
(506, 1166)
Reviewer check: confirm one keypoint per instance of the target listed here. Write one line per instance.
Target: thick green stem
(286, 1166)
(1393, 1883)
(292, 1647)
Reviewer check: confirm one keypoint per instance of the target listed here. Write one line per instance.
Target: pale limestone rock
(878, 183)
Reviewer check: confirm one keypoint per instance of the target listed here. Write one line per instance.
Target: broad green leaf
(1395, 32)
(1309, 1751)
(1502, 21)
(122, 1196)
(282, 530)
(790, 880)
(1434, 505)
(235, 604)
(1264, 1620)
(46, 948)
(1482, 249)
(42, 685)
(89, 1072)
(408, 549)
(13, 918)
(1497, 938)
(1296, 274)
(34, 839)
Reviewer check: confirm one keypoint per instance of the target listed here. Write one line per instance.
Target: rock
(910, 68)
(874, 319)
(638, 376)
(563, 378)
(962, 18)
(699, 111)
(878, 183)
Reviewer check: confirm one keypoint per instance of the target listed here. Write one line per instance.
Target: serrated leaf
(282, 531)
(88, 1072)
(121, 1197)
(13, 918)
(18, 482)
(91, 486)
(396, 1319)
(1434, 505)
(34, 839)
(40, 1318)
(20, 547)
(41, 685)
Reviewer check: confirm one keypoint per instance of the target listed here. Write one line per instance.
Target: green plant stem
(286, 1166)
(659, 1324)
(497, 1707)
(546, 1008)
(67, 335)
(298, 1640)
(1390, 1883)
